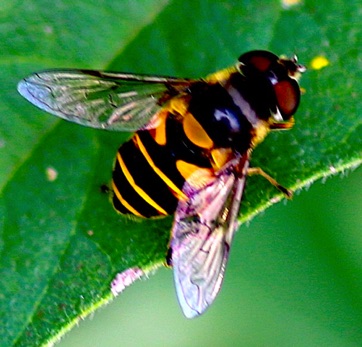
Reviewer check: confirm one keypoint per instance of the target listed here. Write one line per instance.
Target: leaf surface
(61, 241)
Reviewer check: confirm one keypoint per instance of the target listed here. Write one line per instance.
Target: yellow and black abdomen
(196, 131)
(148, 176)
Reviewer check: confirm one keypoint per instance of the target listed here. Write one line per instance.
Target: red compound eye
(260, 60)
(260, 63)
(288, 94)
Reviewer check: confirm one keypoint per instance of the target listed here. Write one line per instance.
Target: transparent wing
(114, 101)
(201, 237)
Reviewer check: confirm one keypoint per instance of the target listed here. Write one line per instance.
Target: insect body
(190, 153)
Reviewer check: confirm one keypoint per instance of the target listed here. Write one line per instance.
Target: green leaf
(61, 241)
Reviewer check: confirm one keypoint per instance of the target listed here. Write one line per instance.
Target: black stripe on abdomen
(163, 158)
(149, 184)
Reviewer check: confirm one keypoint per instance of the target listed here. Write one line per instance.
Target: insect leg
(259, 171)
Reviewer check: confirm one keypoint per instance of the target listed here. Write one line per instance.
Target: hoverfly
(190, 152)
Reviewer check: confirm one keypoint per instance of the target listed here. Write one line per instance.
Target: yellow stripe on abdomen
(179, 194)
(137, 189)
(124, 202)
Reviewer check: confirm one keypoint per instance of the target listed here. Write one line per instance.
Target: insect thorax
(199, 132)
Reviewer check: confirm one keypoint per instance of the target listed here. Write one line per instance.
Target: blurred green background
(294, 279)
